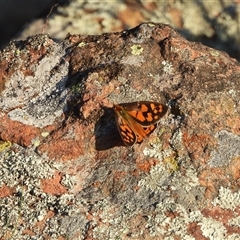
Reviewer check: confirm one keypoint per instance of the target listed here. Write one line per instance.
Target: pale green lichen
(136, 50)
(171, 163)
(77, 88)
(5, 145)
(82, 44)
(227, 199)
(45, 134)
(36, 142)
(151, 24)
(215, 53)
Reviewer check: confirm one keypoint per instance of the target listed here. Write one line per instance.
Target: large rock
(68, 164)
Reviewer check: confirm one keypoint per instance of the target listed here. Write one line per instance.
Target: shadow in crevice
(106, 131)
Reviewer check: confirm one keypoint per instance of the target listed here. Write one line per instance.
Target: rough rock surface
(214, 23)
(64, 171)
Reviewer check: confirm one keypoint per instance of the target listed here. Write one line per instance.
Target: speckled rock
(67, 164)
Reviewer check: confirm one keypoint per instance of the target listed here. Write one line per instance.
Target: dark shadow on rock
(106, 131)
(175, 108)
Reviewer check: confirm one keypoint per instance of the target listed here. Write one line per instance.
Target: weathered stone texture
(56, 100)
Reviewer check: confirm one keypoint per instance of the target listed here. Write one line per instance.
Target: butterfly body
(137, 120)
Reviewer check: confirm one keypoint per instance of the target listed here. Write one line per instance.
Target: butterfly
(136, 120)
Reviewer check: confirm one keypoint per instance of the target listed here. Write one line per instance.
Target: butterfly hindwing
(148, 130)
(126, 133)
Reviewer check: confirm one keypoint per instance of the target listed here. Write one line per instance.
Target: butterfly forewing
(144, 112)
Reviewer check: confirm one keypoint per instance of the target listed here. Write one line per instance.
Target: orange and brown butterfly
(136, 120)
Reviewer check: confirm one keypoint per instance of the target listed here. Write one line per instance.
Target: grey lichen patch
(177, 139)
(160, 173)
(17, 168)
(23, 171)
(228, 148)
(167, 157)
(161, 224)
(234, 236)
(155, 148)
(37, 100)
(68, 181)
(233, 94)
(213, 229)
(133, 60)
(72, 226)
(227, 199)
(114, 222)
(29, 205)
(160, 176)
(234, 222)
(155, 151)
(185, 186)
(167, 67)
(130, 94)
(164, 225)
(156, 179)
(190, 180)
